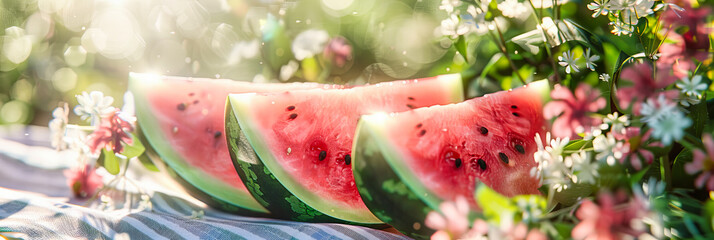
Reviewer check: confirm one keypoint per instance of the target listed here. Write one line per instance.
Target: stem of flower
(505, 52)
(666, 171)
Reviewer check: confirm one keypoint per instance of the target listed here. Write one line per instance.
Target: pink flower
(643, 86)
(338, 50)
(634, 146)
(679, 50)
(572, 111)
(608, 220)
(83, 180)
(453, 220)
(112, 132)
(704, 162)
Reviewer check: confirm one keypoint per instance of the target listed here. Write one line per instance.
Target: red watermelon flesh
(305, 136)
(449, 149)
(190, 115)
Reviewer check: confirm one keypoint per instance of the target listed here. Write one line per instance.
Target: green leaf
(491, 64)
(461, 47)
(133, 150)
(621, 60)
(636, 177)
(575, 145)
(588, 38)
(699, 116)
(494, 205)
(564, 229)
(110, 161)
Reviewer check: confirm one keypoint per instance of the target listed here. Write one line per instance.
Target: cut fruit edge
(374, 126)
(240, 103)
(139, 84)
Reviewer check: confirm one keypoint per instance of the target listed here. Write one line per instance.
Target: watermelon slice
(406, 164)
(182, 120)
(299, 163)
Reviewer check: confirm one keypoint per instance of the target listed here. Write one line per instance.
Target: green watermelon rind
(210, 190)
(376, 161)
(381, 187)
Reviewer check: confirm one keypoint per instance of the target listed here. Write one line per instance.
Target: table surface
(36, 203)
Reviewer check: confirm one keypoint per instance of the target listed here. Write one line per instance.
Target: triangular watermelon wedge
(293, 149)
(182, 121)
(406, 164)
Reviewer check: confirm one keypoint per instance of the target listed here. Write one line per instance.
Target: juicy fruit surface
(489, 139)
(310, 132)
(190, 113)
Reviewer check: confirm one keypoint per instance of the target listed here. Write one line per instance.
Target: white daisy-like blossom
(590, 60)
(128, 112)
(287, 71)
(645, 194)
(600, 7)
(530, 209)
(670, 127)
(609, 150)
(653, 110)
(619, 28)
(547, 3)
(93, 106)
(551, 169)
(692, 89)
(617, 123)
(664, 6)
(604, 77)
(632, 10)
(449, 5)
(585, 170)
(513, 9)
(309, 43)
(58, 127)
(594, 132)
(568, 61)
(454, 27)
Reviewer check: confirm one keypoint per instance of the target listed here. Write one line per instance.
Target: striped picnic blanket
(35, 203)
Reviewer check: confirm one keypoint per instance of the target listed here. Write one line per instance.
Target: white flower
(586, 170)
(530, 209)
(453, 27)
(617, 123)
(605, 77)
(551, 169)
(93, 106)
(449, 5)
(128, 112)
(287, 71)
(619, 28)
(309, 43)
(654, 110)
(632, 10)
(600, 7)
(547, 4)
(513, 9)
(670, 127)
(693, 87)
(568, 62)
(58, 127)
(590, 60)
(608, 149)
(594, 132)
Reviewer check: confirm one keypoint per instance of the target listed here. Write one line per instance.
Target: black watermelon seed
(410, 98)
(217, 134)
(191, 94)
(514, 106)
(481, 164)
(503, 157)
(290, 108)
(293, 116)
(484, 130)
(323, 155)
(348, 159)
(457, 162)
(419, 125)
(422, 132)
(195, 101)
(520, 149)
(410, 106)
(181, 106)
(516, 114)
